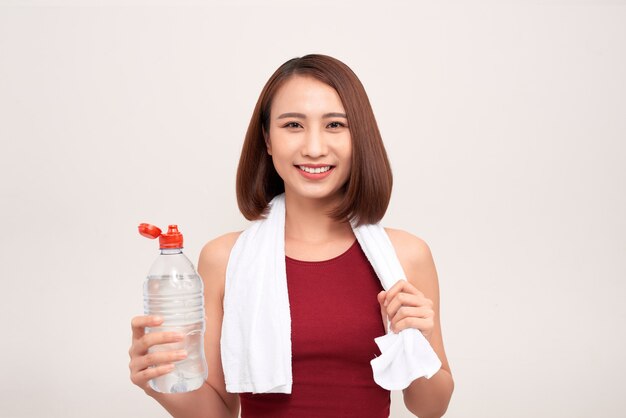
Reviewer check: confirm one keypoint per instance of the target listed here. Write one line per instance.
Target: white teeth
(314, 170)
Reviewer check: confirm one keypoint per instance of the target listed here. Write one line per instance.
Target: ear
(268, 144)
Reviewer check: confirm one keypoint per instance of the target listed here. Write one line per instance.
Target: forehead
(307, 95)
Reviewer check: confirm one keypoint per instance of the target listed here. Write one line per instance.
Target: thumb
(383, 309)
(381, 296)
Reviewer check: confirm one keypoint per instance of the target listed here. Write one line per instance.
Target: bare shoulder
(218, 249)
(214, 257)
(410, 249)
(415, 256)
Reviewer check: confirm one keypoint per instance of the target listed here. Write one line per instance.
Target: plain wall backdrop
(505, 126)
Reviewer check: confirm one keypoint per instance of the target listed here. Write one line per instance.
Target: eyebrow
(303, 116)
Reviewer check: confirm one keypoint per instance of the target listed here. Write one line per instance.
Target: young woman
(313, 137)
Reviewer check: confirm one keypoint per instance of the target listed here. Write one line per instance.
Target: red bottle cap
(172, 239)
(149, 231)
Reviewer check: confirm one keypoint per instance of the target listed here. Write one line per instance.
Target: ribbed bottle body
(174, 291)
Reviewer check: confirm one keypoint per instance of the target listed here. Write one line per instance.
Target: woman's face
(309, 139)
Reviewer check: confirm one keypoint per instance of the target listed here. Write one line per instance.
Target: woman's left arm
(415, 304)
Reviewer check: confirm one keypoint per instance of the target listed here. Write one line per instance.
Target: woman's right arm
(211, 400)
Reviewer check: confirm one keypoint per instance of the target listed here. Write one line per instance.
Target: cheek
(281, 155)
(346, 166)
(281, 159)
(348, 148)
(347, 155)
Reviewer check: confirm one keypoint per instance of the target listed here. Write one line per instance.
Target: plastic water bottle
(174, 291)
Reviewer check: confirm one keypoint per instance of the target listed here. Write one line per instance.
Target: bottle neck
(171, 251)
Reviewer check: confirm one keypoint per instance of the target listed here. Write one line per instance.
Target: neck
(307, 220)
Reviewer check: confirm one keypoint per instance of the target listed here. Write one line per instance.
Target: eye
(336, 124)
(292, 125)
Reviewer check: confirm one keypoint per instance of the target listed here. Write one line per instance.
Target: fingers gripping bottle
(174, 291)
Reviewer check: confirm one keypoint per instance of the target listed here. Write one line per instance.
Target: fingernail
(181, 353)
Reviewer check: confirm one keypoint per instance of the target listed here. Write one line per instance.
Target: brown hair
(368, 189)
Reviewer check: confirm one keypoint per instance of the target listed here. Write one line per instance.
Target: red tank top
(335, 317)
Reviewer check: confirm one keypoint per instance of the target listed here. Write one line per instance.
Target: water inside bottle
(189, 373)
(179, 300)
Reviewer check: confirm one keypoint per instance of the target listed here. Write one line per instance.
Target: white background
(504, 122)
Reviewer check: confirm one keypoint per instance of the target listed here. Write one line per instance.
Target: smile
(316, 170)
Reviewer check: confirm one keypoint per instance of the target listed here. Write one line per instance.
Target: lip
(315, 176)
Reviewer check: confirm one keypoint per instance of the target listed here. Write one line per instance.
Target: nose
(315, 144)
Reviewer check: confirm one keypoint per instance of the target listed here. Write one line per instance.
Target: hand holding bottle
(145, 366)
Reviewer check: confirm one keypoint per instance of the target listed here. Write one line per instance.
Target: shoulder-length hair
(368, 189)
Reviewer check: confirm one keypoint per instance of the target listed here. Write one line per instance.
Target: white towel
(256, 330)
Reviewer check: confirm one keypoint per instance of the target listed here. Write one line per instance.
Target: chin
(315, 193)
